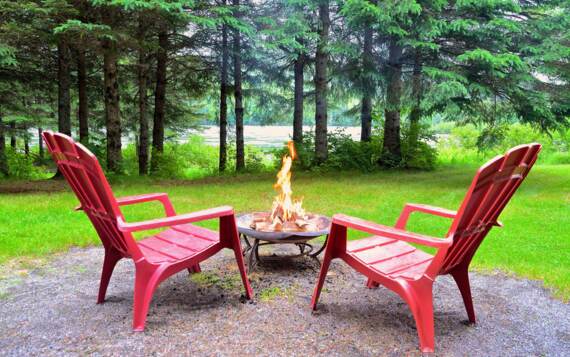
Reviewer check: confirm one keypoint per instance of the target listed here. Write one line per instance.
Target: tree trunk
(224, 99)
(366, 107)
(142, 77)
(83, 112)
(13, 140)
(159, 99)
(416, 113)
(3, 161)
(321, 77)
(298, 99)
(240, 154)
(112, 110)
(391, 151)
(40, 144)
(63, 86)
(26, 142)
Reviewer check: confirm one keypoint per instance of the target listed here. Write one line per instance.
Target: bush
(168, 164)
(195, 159)
(348, 154)
(469, 144)
(21, 166)
(256, 159)
(192, 159)
(344, 153)
(423, 155)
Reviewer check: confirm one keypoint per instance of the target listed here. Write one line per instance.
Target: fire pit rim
(244, 219)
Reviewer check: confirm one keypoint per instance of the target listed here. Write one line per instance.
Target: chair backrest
(84, 174)
(490, 191)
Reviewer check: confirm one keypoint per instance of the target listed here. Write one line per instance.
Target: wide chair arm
(161, 197)
(389, 232)
(175, 220)
(409, 208)
(148, 197)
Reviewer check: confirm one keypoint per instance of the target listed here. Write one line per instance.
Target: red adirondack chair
(182, 246)
(387, 258)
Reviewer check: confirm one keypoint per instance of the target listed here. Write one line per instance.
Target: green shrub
(423, 155)
(21, 166)
(256, 159)
(169, 163)
(130, 164)
(192, 159)
(469, 144)
(195, 159)
(348, 154)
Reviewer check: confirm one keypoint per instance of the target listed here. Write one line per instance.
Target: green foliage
(189, 160)
(422, 155)
(24, 167)
(7, 56)
(256, 160)
(346, 154)
(195, 159)
(469, 144)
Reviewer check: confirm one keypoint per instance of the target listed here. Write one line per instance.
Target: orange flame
(284, 206)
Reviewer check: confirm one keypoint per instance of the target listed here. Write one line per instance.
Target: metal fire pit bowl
(299, 238)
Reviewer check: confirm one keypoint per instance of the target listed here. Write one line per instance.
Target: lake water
(263, 136)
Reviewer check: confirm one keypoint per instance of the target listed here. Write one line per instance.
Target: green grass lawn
(534, 243)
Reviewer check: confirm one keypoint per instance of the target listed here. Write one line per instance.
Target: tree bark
(298, 99)
(159, 99)
(391, 149)
(13, 140)
(366, 106)
(142, 77)
(416, 113)
(240, 154)
(112, 109)
(63, 85)
(321, 78)
(40, 144)
(3, 161)
(224, 99)
(26, 142)
(83, 111)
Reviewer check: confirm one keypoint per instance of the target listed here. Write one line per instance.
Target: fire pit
(299, 238)
(286, 223)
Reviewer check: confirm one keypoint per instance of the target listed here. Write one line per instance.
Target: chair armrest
(174, 220)
(161, 197)
(389, 232)
(409, 208)
(130, 200)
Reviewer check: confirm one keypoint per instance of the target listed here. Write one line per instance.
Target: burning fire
(287, 214)
(283, 206)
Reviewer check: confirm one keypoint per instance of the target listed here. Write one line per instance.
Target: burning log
(287, 214)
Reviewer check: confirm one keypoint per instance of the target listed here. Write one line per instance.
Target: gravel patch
(52, 311)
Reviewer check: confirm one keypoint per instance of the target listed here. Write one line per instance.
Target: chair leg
(322, 276)
(111, 258)
(195, 269)
(371, 284)
(461, 277)
(145, 284)
(421, 303)
(243, 272)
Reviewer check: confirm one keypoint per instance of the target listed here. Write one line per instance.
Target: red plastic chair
(387, 258)
(182, 246)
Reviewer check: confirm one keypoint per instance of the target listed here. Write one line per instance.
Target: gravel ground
(52, 311)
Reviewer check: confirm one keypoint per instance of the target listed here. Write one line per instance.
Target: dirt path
(52, 311)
